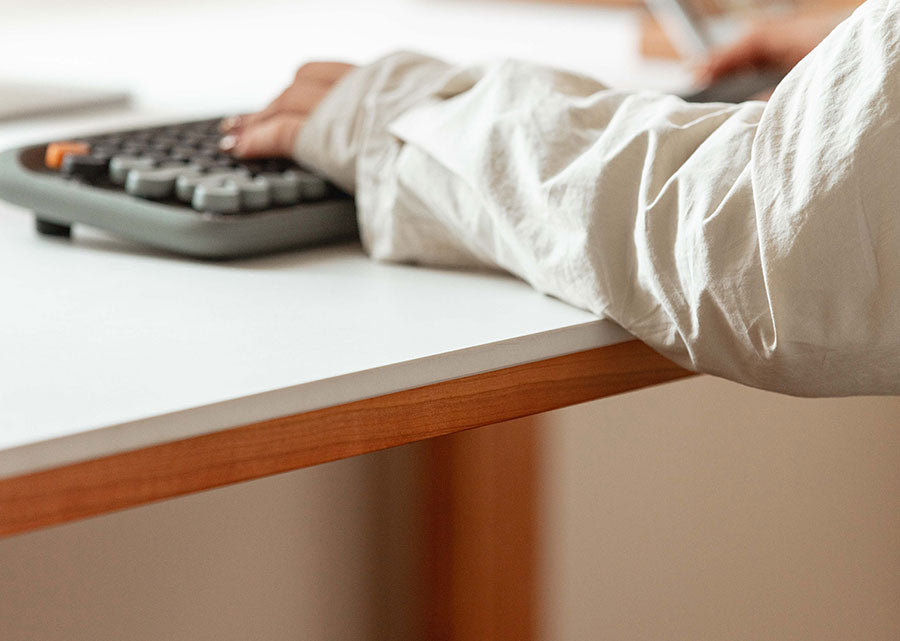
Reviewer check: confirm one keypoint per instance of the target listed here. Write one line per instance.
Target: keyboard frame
(63, 202)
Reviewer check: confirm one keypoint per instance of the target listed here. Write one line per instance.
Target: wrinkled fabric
(757, 242)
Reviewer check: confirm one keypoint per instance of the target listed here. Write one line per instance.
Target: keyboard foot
(47, 228)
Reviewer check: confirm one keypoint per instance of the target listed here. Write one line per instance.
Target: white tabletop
(107, 346)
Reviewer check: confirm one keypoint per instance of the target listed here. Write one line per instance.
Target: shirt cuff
(355, 113)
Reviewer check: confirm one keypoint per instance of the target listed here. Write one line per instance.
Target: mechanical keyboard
(171, 187)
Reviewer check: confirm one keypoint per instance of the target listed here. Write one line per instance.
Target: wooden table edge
(127, 479)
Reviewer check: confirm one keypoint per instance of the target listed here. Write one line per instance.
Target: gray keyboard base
(59, 203)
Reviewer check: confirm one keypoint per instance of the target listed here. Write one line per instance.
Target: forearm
(756, 242)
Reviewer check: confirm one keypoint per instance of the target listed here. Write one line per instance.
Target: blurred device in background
(696, 27)
(25, 99)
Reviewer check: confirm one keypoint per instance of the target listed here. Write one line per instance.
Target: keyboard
(172, 188)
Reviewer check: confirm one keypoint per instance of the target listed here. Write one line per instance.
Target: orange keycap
(56, 151)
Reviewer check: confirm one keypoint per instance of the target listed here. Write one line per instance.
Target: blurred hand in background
(773, 43)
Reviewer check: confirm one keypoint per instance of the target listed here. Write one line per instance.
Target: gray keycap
(255, 192)
(285, 187)
(119, 166)
(157, 182)
(231, 193)
(213, 193)
(311, 187)
(187, 184)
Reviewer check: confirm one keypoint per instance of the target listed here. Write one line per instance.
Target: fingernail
(227, 143)
(229, 123)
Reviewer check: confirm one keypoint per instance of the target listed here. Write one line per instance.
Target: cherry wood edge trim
(127, 479)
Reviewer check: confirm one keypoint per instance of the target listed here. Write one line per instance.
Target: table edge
(78, 490)
(96, 442)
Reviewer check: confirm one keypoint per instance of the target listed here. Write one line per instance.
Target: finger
(323, 72)
(311, 82)
(271, 138)
(300, 98)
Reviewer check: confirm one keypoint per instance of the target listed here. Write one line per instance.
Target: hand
(774, 43)
(272, 131)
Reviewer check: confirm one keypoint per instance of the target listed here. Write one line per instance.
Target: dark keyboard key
(224, 162)
(182, 153)
(206, 154)
(203, 162)
(103, 141)
(253, 166)
(193, 138)
(119, 166)
(87, 168)
(158, 156)
(134, 149)
(278, 164)
(104, 151)
(106, 146)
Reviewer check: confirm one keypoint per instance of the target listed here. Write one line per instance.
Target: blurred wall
(283, 558)
(706, 510)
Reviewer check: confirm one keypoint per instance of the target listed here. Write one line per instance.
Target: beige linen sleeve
(758, 242)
